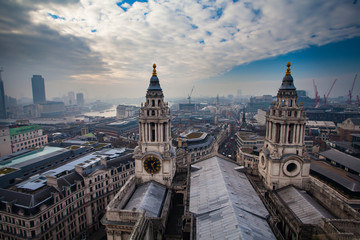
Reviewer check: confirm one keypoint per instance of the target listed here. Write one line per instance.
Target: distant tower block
(80, 99)
(38, 89)
(282, 158)
(71, 97)
(2, 98)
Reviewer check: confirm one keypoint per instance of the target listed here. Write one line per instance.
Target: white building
(24, 137)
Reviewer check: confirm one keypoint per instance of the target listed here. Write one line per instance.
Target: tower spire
(154, 70)
(288, 72)
(288, 81)
(154, 81)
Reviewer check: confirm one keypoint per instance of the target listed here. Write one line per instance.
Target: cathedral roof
(288, 81)
(225, 204)
(148, 197)
(154, 81)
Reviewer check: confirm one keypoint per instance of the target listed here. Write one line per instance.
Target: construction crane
(189, 96)
(357, 100)
(351, 90)
(317, 98)
(327, 95)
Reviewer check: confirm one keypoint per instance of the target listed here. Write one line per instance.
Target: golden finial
(288, 72)
(154, 70)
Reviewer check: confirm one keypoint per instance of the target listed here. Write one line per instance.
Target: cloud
(117, 42)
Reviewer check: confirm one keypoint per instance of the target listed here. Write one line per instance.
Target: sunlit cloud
(192, 40)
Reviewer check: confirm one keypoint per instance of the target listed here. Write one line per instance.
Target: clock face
(152, 164)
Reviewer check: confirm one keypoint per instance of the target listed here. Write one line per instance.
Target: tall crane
(327, 95)
(351, 90)
(317, 97)
(357, 100)
(189, 96)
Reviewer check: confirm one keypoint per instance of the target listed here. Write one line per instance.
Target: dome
(288, 81)
(154, 81)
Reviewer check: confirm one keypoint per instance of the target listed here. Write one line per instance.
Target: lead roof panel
(149, 197)
(225, 204)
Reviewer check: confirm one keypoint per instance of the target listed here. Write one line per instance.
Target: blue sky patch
(131, 2)
(56, 16)
(193, 26)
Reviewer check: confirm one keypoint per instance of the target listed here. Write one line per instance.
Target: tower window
(289, 113)
(153, 132)
(153, 103)
(290, 103)
(291, 167)
(291, 133)
(153, 113)
(159, 103)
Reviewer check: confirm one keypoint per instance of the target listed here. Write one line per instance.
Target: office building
(65, 202)
(80, 99)
(38, 89)
(2, 99)
(71, 98)
(24, 137)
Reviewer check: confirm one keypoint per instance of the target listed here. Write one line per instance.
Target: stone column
(294, 133)
(161, 132)
(273, 131)
(142, 132)
(282, 134)
(302, 134)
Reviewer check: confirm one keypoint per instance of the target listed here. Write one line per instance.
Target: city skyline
(106, 50)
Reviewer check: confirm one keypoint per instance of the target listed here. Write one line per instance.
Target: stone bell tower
(155, 155)
(282, 160)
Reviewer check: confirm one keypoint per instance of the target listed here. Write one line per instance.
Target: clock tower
(282, 160)
(155, 155)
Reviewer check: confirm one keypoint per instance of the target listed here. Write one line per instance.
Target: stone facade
(155, 137)
(282, 160)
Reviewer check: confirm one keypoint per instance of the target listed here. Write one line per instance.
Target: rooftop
(307, 210)
(194, 135)
(149, 197)
(249, 136)
(328, 124)
(344, 159)
(347, 180)
(225, 204)
(33, 156)
(23, 129)
(88, 161)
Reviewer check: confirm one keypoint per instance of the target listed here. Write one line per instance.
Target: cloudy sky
(106, 48)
